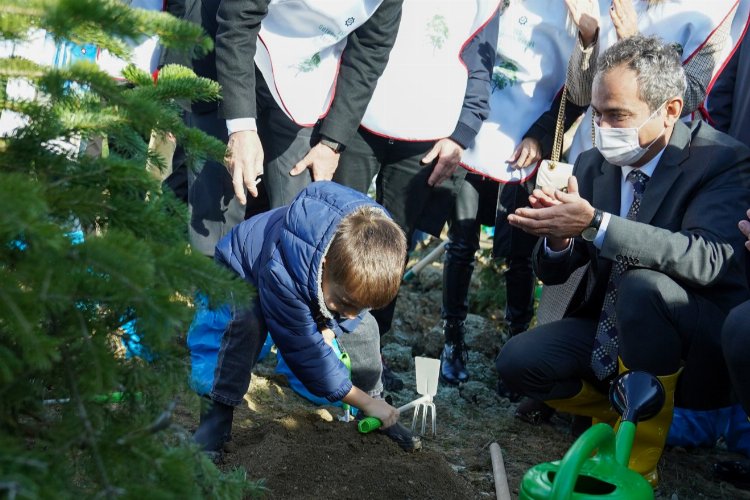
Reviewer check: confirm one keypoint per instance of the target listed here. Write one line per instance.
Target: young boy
(318, 265)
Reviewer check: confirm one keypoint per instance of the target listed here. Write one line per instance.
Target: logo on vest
(437, 31)
(349, 21)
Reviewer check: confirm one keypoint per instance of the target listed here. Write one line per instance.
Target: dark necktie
(604, 354)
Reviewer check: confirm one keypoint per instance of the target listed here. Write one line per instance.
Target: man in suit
(296, 80)
(652, 210)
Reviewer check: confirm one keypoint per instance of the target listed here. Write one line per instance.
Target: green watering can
(583, 475)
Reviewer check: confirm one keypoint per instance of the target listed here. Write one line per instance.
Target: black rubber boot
(215, 427)
(454, 356)
(403, 437)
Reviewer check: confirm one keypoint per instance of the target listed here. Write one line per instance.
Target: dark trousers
(401, 187)
(475, 205)
(401, 184)
(243, 340)
(214, 209)
(735, 338)
(661, 325)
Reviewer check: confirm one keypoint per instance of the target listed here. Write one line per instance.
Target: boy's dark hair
(367, 257)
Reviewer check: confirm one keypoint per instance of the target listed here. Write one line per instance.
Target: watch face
(589, 234)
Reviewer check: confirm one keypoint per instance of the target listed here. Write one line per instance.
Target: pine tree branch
(89, 433)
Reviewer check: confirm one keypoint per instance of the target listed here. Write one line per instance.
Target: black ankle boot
(454, 356)
(215, 427)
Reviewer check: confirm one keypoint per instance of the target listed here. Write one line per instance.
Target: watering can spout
(637, 396)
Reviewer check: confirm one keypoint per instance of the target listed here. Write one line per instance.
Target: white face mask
(620, 146)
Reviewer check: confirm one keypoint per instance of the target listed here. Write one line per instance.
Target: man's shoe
(453, 363)
(391, 381)
(534, 412)
(503, 391)
(403, 437)
(215, 426)
(735, 472)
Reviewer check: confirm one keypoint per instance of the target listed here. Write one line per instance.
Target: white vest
(300, 45)
(687, 22)
(420, 95)
(533, 49)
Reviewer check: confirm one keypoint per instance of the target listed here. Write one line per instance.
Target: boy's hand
(372, 407)
(328, 336)
(381, 410)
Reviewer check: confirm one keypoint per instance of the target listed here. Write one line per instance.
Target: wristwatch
(589, 233)
(336, 147)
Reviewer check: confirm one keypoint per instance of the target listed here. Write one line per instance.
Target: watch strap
(336, 147)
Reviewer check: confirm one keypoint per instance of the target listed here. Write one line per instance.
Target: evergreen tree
(78, 418)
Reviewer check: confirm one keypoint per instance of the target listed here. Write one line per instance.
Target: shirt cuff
(602, 232)
(241, 124)
(556, 255)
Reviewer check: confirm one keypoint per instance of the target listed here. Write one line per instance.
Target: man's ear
(674, 110)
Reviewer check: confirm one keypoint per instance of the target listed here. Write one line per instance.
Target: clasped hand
(555, 214)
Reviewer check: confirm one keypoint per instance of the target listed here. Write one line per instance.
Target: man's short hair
(367, 257)
(657, 66)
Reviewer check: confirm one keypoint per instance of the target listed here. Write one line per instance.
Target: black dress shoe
(403, 437)
(503, 391)
(215, 427)
(734, 472)
(534, 412)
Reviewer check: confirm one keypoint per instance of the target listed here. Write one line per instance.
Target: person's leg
(736, 347)
(403, 190)
(660, 325)
(519, 293)
(363, 347)
(550, 361)
(735, 338)
(360, 162)
(284, 144)
(516, 247)
(214, 210)
(458, 266)
(240, 347)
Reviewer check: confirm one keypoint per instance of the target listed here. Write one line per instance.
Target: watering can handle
(601, 437)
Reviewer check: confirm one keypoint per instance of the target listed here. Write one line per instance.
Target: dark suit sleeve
(701, 252)
(721, 98)
(478, 56)
(362, 63)
(556, 271)
(236, 40)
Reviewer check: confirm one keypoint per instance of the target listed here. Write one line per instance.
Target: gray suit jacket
(686, 227)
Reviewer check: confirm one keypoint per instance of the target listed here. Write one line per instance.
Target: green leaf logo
(437, 31)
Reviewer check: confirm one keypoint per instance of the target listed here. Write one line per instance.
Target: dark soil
(304, 451)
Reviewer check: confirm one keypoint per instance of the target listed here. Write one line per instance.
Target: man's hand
(321, 160)
(744, 226)
(244, 160)
(526, 154)
(448, 154)
(558, 216)
(624, 18)
(586, 16)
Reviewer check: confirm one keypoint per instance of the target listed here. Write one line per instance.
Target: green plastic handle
(369, 424)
